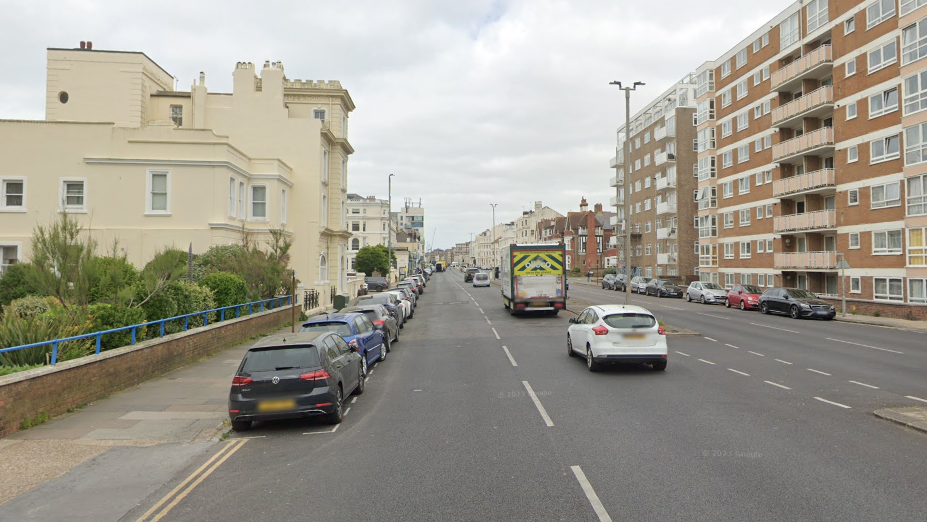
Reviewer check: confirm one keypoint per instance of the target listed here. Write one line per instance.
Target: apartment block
(368, 222)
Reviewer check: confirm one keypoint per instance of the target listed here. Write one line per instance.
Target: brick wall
(897, 311)
(54, 389)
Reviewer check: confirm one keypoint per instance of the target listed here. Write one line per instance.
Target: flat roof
(109, 51)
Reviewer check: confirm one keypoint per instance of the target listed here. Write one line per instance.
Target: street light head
(616, 82)
(639, 83)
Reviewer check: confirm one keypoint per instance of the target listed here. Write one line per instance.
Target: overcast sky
(468, 102)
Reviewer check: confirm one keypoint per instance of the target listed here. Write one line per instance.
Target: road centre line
(738, 371)
(353, 400)
(347, 411)
(681, 353)
(496, 333)
(866, 385)
(844, 406)
(783, 362)
(732, 346)
(707, 362)
(487, 320)
(779, 385)
(775, 328)
(509, 355)
(538, 405)
(914, 398)
(818, 371)
(590, 494)
(756, 353)
(865, 346)
(710, 339)
(715, 316)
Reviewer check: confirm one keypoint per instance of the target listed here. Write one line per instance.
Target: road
(477, 415)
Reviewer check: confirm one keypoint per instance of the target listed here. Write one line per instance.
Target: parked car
(387, 299)
(357, 331)
(418, 286)
(638, 284)
(376, 284)
(468, 274)
(608, 334)
(289, 376)
(421, 279)
(381, 318)
(608, 282)
(797, 303)
(620, 283)
(663, 288)
(480, 279)
(412, 288)
(745, 297)
(405, 304)
(705, 292)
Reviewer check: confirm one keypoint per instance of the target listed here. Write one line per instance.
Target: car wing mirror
(572, 320)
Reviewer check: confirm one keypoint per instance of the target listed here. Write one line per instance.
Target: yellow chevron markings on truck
(538, 263)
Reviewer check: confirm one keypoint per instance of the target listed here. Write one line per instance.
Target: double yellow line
(157, 512)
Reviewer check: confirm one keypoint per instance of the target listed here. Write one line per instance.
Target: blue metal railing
(259, 305)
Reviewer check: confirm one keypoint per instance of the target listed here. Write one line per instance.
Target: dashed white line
(913, 398)
(509, 355)
(347, 411)
(590, 495)
(818, 371)
(326, 432)
(775, 328)
(681, 353)
(335, 428)
(834, 403)
(783, 362)
(738, 371)
(756, 353)
(865, 346)
(355, 398)
(370, 372)
(777, 384)
(538, 405)
(487, 320)
(732, 346)
(715, 316)
(710, 339)
(496, 333)
(670, 307)
(706, 362)
(866, 385)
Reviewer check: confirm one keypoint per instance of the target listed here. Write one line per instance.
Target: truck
(439, 266)
(533, 278)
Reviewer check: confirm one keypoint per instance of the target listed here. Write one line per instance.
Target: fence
(310, 299)
(161, 322)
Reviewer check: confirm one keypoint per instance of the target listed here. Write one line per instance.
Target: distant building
(368, 222)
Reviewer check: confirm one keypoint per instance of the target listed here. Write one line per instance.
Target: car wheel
(384, 349)
(360, 382)
(570, 347)
(701, 299)
(364, 364)
(659, 366)
(337, 414)
(742, 305)
(395, 339)
(764, 308)
(793, 311)
(688, 298)
(238, 425)
(727, 303)
(590, 362)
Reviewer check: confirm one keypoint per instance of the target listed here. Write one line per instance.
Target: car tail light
(241, 381)
(379, 322)
(600, 330)
(353, 344)
(318, 375)
(519, 305)
(558, 305)
(661, 331)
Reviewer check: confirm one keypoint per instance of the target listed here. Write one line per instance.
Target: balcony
(813, 182)
(616, 161)
(664, 132)
(666, 207)
(613, 242)
(821, 219)
(665, 183)
(666, 259)
(812, 105)
(616, 181)
(805, 260)
(666, 233)
(663, 157)
(616, 201)
(816, 143)
(816, 64)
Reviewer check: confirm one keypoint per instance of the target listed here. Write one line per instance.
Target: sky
(467, 102)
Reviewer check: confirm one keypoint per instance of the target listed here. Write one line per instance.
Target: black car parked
(295, 375)
(796, 302)
(663, 288)
(382, 319)
(376, 284)
(468, 275)
(608, 282)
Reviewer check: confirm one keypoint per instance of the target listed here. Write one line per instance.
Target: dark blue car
(357, 330)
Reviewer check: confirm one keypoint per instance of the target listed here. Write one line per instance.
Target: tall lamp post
(389, 229)
(493, 249)
(625, 183)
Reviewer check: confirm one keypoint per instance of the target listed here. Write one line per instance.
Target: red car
(744, 297)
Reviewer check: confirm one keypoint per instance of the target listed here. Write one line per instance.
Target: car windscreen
(268, 360)
(750, 289)
(481, 277)
(630, 320)
(711, 286)
(337, 327)
(798, 293)
(379, 298)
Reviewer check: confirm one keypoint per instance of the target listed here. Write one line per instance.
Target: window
(741, 90)
(853, 240)
(743, 153)
(914, 42)
(319, 114)
(917, 291)
(882, 57)
(883, 149)
(915, 93)
(817, 14)
(765, 73)
(283, 206)
(745, 217)
(647, 227)
(742, 121)
(759, 179)
(756, 45)
(757, 78)
(727, 159)
(767, 142)
(909, 5)
(727, 189)
(637, 164)
(728, 220)
(726, 128)
(759, 246)
(849, 25)
(854, 285)
(878, 12)
(13, 194)
(765, 39)
(766, 107)
(917, 195)
(647, 204)
(158, 191)
(757, 111)
(729, 251)
(344, 173)
(177, 115)
(852, 197)
(726, 98)
(851, 111)
(707, 168)
(886, 242)
(769, 245)
(647, 161)
(324, 210)
(887, 195)
(745, 249)
(72, 195)
(768, 176)
(355, 244)
(915, 144)
(726, 69)
(323, 268)
(706, 139)
(917, 247)
(758, 147)
(232, 184)
(647, 137)
(852, 154)
(759, 212)
(741, 57)
(259, 202)
(648, 249)
(888, 288)
(325, 165)
(647, 182)
(850, 67)
(789, 31)
(637, 143)
(241, 200)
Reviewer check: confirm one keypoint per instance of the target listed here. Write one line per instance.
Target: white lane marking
(335, 428)
(914, 398)
(681, 353)
(664, 306)
(738, 371)
(415, 390)
(366, 379)
(488, 321)
(370, 372)
(834, 403)
(732, 346)
(355, 398)
(537, 403)
(865, 346)
(715, 316)
(710, 339)
(347, 411)
(326, 432)
(775, 328)
(866, 385)
(818, 371)
(590, 495)
(783, 362)
(779, 385)
(496, 333)
(756, 353)
(706, 362)
(509, 355)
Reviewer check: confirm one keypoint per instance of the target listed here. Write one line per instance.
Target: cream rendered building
(368, 220)
(136, 161)
(526, 226)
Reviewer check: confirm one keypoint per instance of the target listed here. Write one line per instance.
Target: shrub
(112, 279)
(16, 284)
(180, 298)
(227, 289)
(28, 307)
(610, 270)
(107, 317)
(53, 324)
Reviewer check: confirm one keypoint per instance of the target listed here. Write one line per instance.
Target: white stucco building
(368, 222)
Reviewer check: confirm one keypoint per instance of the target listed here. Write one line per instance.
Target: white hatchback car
(608, 334)
(481, 279)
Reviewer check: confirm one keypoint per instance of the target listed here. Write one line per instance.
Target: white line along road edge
(590, 494)
(538, 404)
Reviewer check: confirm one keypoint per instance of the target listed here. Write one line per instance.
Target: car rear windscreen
(482, 277)
(268, 360)
(630, 321)
(339, 328)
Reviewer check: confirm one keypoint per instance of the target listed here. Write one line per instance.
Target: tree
(164, 268)
(61, 258)
(16, 283)
(372, 259)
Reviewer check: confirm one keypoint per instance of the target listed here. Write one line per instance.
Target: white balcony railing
(615, 181)
(666, 233)
(663, 157)
(659, 133)
(820, 219)
(615, 201)
(806, 142)
(666, 259)
(795, 70)
(814, 99)
(666, 182)
(666, 207)
(613, 241)
(809, 181)
(805, 260)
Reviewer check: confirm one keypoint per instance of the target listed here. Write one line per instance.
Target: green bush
(227, 289)
(183, 298)
(264, 276)
(610, 270)
(107, 317)
(53, 324)
(16, 284)
(28, 307)
(111, 279)
(6, 370)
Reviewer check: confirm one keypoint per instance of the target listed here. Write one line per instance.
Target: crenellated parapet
(311, 84)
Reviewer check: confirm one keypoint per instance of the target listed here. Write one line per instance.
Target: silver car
(705, 292)
(639, 284)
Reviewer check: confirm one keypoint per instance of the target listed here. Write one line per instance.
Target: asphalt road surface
(476, 415)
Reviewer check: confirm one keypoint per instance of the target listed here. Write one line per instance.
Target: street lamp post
(493, 236)
(624, 184)
(389, 229)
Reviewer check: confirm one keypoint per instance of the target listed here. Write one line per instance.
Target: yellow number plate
(279, 405)
(634, 336)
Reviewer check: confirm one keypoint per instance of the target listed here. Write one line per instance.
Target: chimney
(598, 208)
(583, 205)
(83, 44)
(89, 45)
